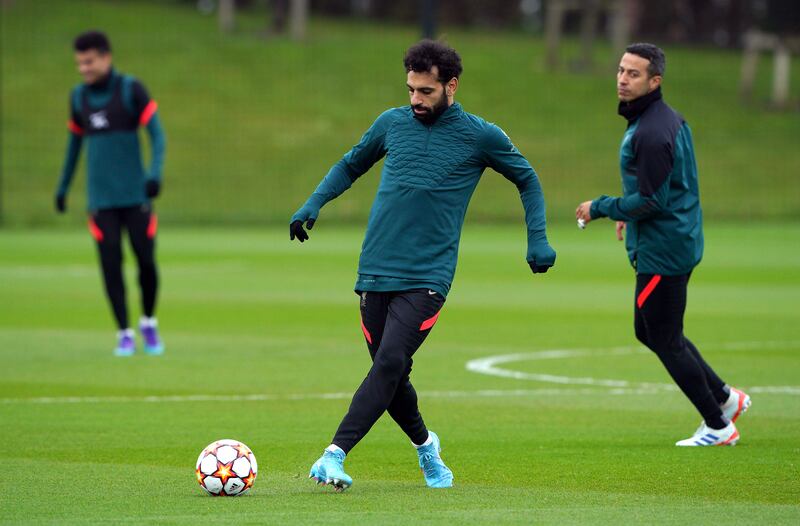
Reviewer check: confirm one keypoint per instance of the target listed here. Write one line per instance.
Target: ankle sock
(427, 442)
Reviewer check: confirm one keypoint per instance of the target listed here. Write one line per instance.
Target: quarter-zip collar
(448, 115)
(633, 110)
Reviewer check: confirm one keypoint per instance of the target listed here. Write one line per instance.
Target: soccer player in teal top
(660, 210)
(106, 111)
(435, 154)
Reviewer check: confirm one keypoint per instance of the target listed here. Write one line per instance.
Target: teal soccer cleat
(329, 469)
(437, 475)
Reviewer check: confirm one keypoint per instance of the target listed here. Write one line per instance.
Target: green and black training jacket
(661, 200)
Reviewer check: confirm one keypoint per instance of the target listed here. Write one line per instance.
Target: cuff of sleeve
(306, 212)
(599, 207)
(535, 243)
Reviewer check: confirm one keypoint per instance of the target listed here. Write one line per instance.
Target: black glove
(538, 269)
(61, 204)
(296, 230)
(541, 257)
(152, 188)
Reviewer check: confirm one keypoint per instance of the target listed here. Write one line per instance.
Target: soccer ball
(226, 468)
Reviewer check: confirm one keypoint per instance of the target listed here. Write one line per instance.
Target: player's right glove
(296, 230)
(308, 215)
(541, 258)
(152, 188)
(61, 204)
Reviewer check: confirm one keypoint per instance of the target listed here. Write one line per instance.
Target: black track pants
(106, 227)
(394, 324)
(658, 320)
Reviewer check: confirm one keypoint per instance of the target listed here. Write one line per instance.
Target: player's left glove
(541, 258)
(152, 188)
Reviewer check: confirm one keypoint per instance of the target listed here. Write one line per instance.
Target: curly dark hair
(422, 56)
(92, 40)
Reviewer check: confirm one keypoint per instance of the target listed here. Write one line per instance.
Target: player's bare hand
(620, 230)
(583, 212)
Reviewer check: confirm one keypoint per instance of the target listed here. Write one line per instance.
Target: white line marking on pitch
(490, 365)
(263, 397)
(486, 365)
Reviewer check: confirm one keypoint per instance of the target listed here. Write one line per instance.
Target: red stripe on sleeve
(651, 285)
(74, 128)
(147, 113)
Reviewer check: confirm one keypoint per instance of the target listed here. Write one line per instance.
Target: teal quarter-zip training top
(428, 178)
(661, 201)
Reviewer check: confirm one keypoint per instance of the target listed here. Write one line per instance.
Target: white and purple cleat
(152, 342)
(126, 345)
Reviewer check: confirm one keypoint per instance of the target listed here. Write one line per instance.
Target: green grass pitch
(89, 438)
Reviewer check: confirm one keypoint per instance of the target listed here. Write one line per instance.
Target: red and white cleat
(738, 402)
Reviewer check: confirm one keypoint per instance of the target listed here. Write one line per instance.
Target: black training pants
(106, 227)
(394, 324)
(658, 320)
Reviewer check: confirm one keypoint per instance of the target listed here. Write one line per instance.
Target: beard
(431, 114)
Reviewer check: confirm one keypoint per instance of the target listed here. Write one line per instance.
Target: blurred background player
(661, 209)
(435, 155)
(107, 109)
